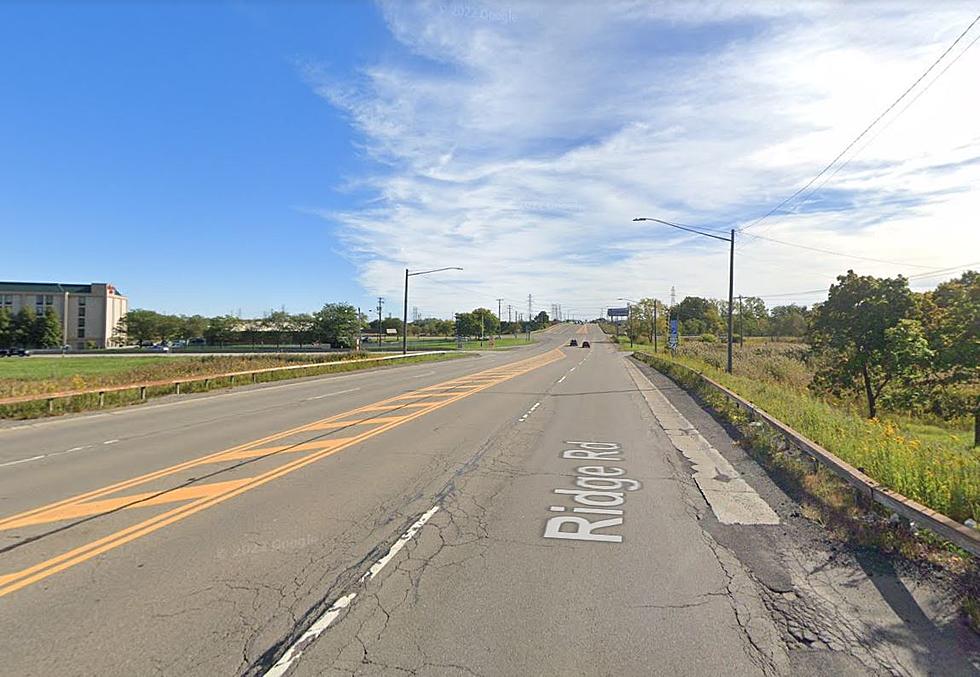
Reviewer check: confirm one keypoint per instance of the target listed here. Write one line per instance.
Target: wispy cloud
(519, 141)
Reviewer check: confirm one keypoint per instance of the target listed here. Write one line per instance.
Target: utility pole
(530, 311)
(629, 321)
(380, 303)
(741, 324)
(499, 317)
(654, 332)
(731, 291)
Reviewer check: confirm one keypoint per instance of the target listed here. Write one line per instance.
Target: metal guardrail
(177, 383)
(958, 534)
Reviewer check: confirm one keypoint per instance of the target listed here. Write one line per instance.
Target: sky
(234, 157)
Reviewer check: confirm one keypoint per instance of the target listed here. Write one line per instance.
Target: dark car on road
(586, 344)
(573, 342)
(14, 352)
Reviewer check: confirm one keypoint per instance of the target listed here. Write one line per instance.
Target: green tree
(698, 316)
(193, 326)
(278, 322)
(140, 325)
(337, 324)
(301, 326)
(22, 327)
(220, 329)
(643, 314)
(467, 325)
(48, 331)
(860, 339)
(788, 320)
(486, 321)
(951, 315)
(6, 329)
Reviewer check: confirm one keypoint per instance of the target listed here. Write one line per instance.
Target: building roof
(50, 288)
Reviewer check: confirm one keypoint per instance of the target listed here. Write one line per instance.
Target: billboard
(618, 312)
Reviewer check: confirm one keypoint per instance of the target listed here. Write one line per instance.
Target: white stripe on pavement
(330, 615)
(731, 498)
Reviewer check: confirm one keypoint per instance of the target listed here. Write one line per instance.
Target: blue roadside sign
(672, 339)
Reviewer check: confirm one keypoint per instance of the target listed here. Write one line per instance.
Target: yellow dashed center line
(201, 496)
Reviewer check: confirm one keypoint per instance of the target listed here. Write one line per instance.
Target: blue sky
(211, 157)
(172, 150)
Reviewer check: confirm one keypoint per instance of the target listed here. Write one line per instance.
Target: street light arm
(679, 227)
(405, 310)
(434, 270)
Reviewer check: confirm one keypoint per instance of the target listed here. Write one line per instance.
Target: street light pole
(731, 270)
(405, 316)
(731, 300)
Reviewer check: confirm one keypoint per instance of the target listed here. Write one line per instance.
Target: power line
(866, 129)
(918, 276)
(885, 126)
(833, 253)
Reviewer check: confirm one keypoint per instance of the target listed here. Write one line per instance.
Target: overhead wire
(868, 128)
(886, 125)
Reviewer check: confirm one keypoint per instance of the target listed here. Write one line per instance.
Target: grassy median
(38, 376)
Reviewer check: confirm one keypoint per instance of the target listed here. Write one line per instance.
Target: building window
(6, 300)
(81, 311)
(81, 332)
(81, 300)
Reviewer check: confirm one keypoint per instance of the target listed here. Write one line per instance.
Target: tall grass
(939, 473)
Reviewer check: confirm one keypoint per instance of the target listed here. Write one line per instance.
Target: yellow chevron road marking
(204, 496)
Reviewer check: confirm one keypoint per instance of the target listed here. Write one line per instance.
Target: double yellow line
(447, 393)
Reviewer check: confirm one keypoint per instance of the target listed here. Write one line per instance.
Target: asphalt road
(542, 511)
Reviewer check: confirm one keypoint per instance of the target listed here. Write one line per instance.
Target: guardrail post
(101, 399)
(233, 379)
(142, 392)
(253, 377)
(50, 405)
(177, 388)
(207, 383)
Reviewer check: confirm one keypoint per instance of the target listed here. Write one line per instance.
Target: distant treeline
(337, 324)
(873, 338)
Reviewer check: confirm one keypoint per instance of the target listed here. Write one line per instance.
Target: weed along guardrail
(966, 538)
(95, 398)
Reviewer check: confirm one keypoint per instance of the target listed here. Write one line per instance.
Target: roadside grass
(39, 375)
(42, 368)
(177, 368)
(937, 470)
(949, 481)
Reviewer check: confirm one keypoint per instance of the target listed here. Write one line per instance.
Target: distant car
(198, 341)
(16, 352)
(159, 349)
(585, 344)
(573, 342)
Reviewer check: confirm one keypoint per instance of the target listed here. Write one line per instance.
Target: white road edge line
(331, 614)
(110, 441)
(339, 392)
(23, 460)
